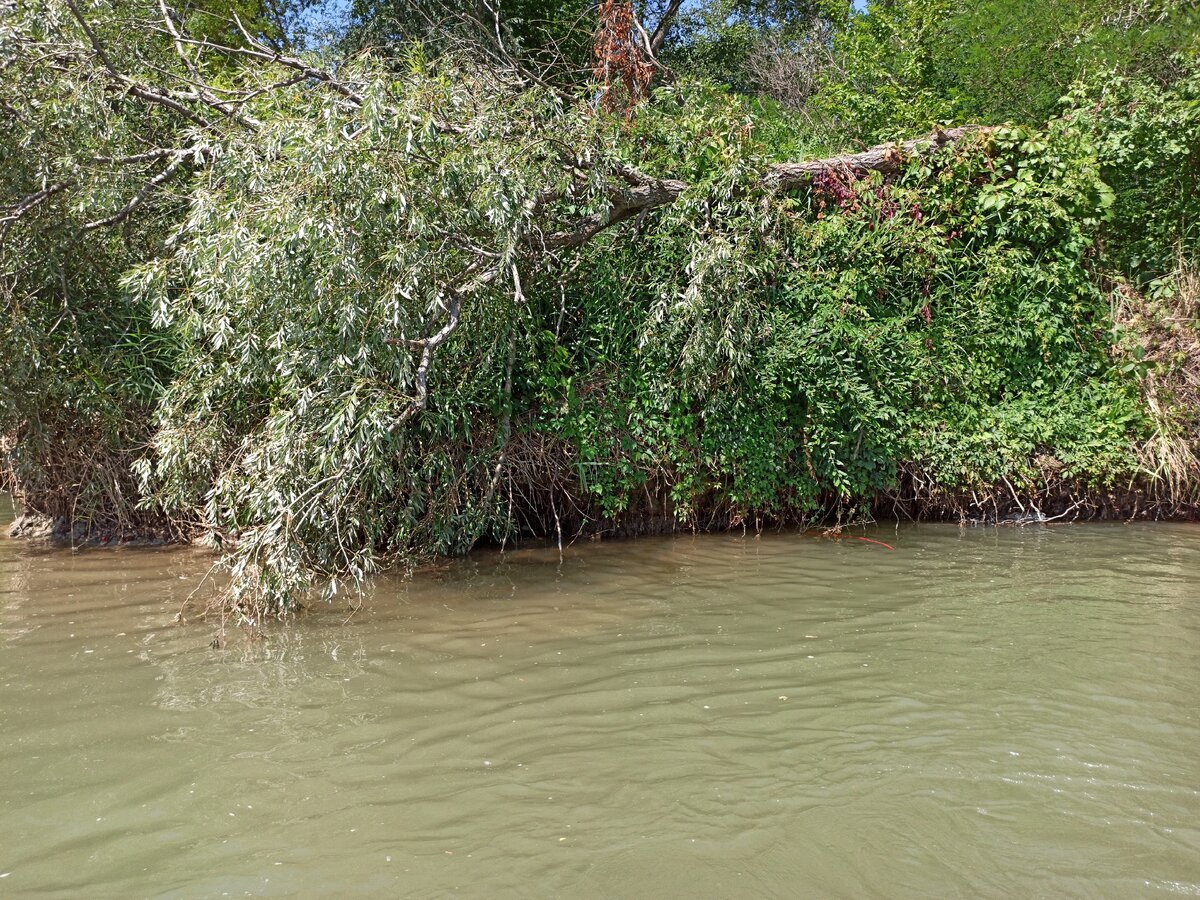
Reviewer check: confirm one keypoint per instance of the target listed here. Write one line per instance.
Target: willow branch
(430, 344)
(204, 93)
(625, 204)
(266, 54)
(136, 201)
(468, 281)
(31, 201)
(142, 91)
(645, 193)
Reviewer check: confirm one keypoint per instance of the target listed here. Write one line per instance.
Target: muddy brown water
(982, 712)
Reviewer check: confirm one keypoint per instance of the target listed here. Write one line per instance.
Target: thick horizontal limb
(648, 193)
(885, 158)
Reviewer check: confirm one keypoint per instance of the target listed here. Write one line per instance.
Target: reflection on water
(982, 712)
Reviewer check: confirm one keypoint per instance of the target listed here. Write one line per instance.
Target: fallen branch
(886, 158)
(626, 204)
(648, 193)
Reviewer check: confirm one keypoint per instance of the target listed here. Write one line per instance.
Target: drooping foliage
(82, 365)
(306, 264)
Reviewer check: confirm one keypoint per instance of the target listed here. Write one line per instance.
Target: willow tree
(338, 229)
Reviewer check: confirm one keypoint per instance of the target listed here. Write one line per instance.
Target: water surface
(983, 712)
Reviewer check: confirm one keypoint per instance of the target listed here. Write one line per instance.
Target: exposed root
(75, 485)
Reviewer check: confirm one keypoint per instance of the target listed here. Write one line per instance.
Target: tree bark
(664, 25)
(887, 158)
(646, 193)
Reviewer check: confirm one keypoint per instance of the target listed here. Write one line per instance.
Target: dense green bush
(911, 63)
(788, 354)
(82, 365)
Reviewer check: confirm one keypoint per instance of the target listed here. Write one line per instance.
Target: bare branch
(13, 111)
(648, 45)
(97, 47)
(266, 54)
(142, 91)
(430, 345)
(152, 95)
(664, 25)
(205, 93)
(168, 20)
(651, 193)
(468, 281)
(136, 201)
(31, 201)
(148, 156)
(885, 158)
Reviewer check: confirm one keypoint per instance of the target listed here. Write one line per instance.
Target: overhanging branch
(647, 193)
(626, 204)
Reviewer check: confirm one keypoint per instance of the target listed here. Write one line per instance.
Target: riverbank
(329, 362)
(1002, 504)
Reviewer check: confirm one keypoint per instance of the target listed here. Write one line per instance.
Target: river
(981, 712)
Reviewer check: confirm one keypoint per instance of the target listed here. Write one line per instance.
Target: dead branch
(886, 158)
(29, 202)
(120, 215)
